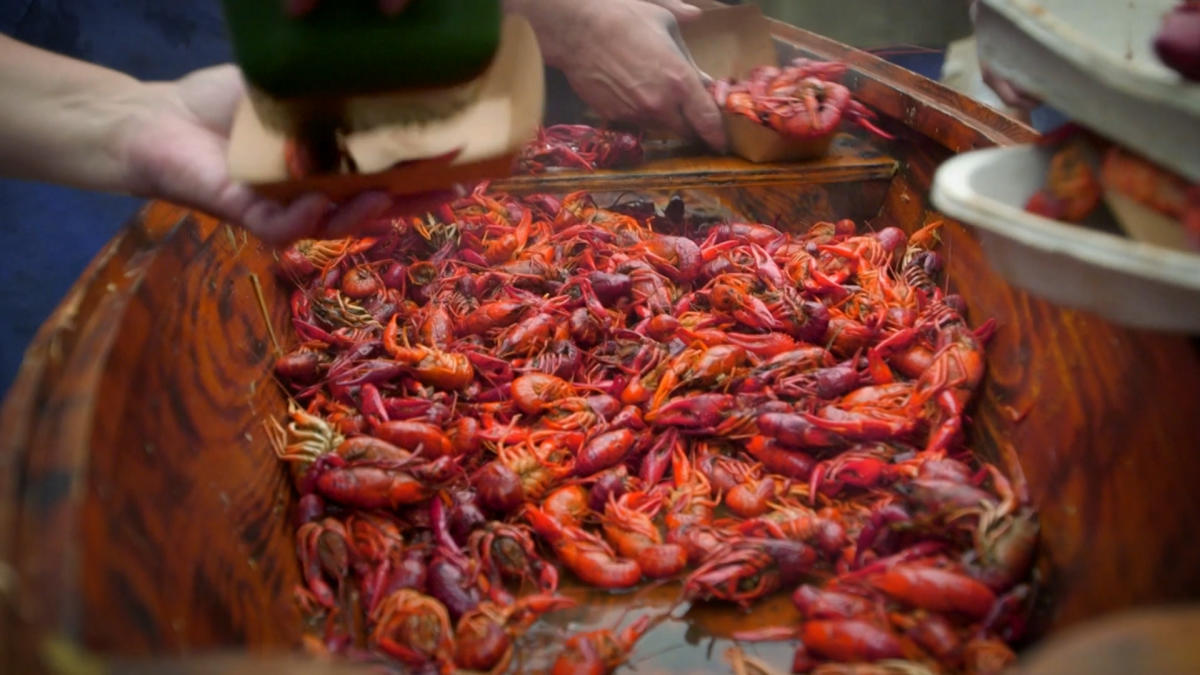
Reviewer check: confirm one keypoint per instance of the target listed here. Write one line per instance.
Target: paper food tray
(1128, 282)
(728, 42)
(1145, 224)
(479, 141)
(1095, 62)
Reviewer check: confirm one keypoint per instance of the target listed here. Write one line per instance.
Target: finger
(1006, 91)
(392, 7)
(212, 95)
(699, 110)
(422, 203)
(350, 216)
(671, 119)
(405, 206)
(703, 116)
(682, 10)
(1013, 96)
(298, 7)
(1028, 101)
(279, 225)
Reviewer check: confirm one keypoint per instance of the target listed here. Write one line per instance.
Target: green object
(348, 47)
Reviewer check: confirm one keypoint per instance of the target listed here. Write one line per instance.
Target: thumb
(212, 95)
(682, 10)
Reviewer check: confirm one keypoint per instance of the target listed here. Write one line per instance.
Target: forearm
(62, 120)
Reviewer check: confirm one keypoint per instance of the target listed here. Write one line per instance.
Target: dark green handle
(347, 47)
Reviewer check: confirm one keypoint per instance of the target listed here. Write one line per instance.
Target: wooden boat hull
(142, 514)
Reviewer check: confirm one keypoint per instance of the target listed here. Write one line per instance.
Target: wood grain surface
(152, 516)
(142, 513)
(851, 159)
(1155, 640)
(1097, 421)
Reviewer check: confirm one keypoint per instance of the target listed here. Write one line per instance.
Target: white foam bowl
(1123, 280)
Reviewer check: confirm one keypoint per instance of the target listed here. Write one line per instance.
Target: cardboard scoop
(478, 141)
(729, 42)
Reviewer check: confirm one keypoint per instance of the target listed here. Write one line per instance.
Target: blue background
(48, 234)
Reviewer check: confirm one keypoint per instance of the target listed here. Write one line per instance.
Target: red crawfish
(824, 603)
(420, 438)
(484, 636)
(789, 520)
(679, 258)
(445, 370)
(579, 146)
(715, 414)
(507, 551)
(799, 100)
(304, 365)
(776, 458)
(601, 651)
(872, 413)
(532, 335)
(539, 465)
(852, 643)
(849, 640)
(698, 367)
(569, 504)
(306, 438)
(924, 585)
(534, 392)
(752, 491)
(629, 526)
(491, 315)
(748, 569)
(860, 467)
(732, 294)
(414, 629)
(370, 487)
(325, 556)
(690, 502)
(603, 450)
(585, 554)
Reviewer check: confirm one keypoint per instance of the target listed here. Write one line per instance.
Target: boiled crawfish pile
(512, 389)
(802, 100)
(579, 146)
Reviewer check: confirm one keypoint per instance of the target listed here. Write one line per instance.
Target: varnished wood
(1099, 420)
(144, 514)
(850, 160)
(907, 99)
(1153, 640)
(119, 543)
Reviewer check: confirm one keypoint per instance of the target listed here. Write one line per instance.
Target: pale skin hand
(627, 61)
(1007, 92)
(78, 124)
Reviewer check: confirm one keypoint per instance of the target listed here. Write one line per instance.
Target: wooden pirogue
(142, 512)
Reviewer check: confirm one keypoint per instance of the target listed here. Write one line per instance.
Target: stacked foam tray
(1094, 61)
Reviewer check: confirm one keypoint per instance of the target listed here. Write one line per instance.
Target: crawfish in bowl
(461, 444)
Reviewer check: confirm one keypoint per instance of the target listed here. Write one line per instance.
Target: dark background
(48, 234)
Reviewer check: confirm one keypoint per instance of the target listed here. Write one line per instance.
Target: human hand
(626, 59)
(681, 10)
(1006, 90)
(174, 148)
